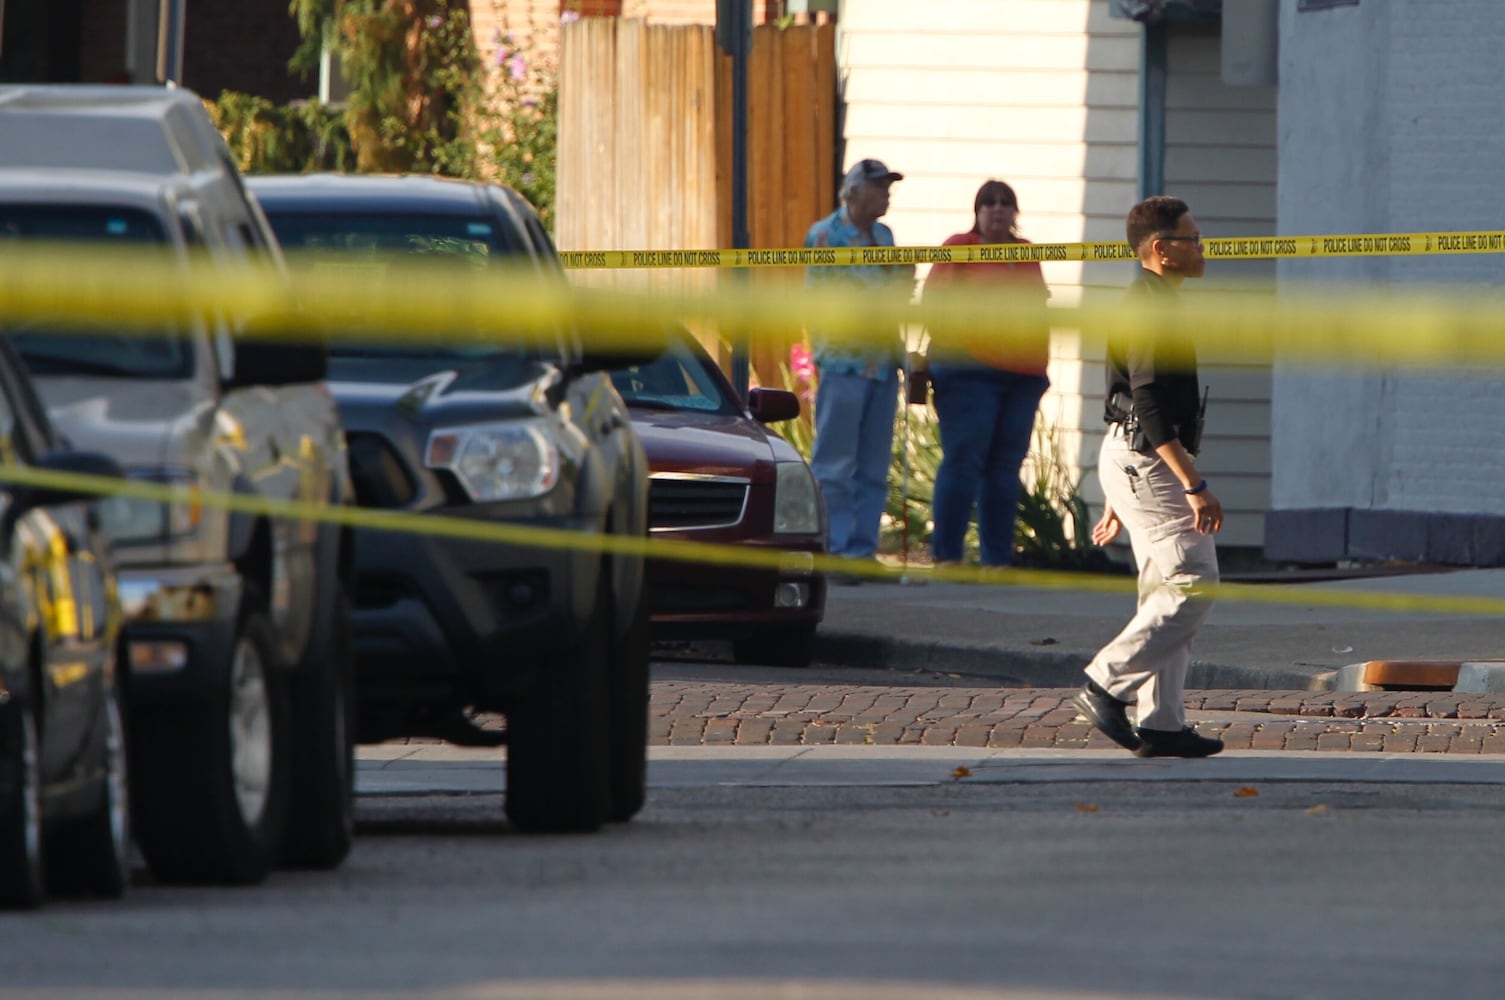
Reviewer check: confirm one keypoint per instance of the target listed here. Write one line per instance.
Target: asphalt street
(873, 872)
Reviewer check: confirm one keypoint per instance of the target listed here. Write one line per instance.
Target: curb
(1459, 676)
(1049, 669)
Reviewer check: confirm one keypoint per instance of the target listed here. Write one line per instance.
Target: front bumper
(196, 607)
(440, 619)
(712, 601)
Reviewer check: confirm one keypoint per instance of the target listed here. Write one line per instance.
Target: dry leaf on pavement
(961, 772)
(1247, 792)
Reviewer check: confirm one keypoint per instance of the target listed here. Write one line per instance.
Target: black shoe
(1107, 714)
(1186, 743)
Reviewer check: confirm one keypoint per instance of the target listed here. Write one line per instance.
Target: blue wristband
(1202, 485)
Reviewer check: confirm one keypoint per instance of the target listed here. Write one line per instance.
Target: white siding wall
(1220, 158)
(1040, 93)
(1392, 119)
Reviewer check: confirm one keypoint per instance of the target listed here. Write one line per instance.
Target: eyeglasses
(990, 202)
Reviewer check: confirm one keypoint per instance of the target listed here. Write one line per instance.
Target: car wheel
(557, 745)
(783, 647)
(629, 720)
(321, 820)
(92, 854)
(214, 779)
(22, 882)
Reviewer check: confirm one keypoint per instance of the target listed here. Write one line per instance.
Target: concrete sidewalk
(1038, 637)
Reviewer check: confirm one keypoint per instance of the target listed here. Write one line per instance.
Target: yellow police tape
(711, 553)
(411, 297)
(1220, 248)
(434, 301)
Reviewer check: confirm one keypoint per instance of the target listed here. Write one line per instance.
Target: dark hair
(990, 191)
(1153, 216)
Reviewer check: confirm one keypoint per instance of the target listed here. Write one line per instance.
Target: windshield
(55, 346)
(372, 245)
(679, 379)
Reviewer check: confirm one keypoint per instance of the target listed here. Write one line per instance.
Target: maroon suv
(717, 474)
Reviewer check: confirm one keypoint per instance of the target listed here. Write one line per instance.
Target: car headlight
(135, 521)
(796, 507)
(511, 461)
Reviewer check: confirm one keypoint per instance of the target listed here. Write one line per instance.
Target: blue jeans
(854, 440)
(986, 417)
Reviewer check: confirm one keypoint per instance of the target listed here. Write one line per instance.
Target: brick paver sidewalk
(742, 714)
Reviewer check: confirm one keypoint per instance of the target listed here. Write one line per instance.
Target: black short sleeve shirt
(1157, 368)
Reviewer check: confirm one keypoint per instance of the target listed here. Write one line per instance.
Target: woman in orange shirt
(987, 388)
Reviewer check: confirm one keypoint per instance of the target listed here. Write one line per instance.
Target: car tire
(557, 742)
(92, 854)
(784, 647)
(23, 883)
(629, 720)
(321, 819)
(214, 780)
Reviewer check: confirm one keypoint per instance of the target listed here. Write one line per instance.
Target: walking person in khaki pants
(1150, 481)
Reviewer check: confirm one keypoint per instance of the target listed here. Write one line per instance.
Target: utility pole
(734, 35)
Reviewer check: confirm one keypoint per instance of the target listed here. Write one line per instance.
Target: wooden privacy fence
(645, 149)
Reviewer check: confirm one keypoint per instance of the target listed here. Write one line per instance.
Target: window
(67, 347)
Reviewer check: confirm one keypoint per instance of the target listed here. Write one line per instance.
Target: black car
(523, 430)
(63, 794)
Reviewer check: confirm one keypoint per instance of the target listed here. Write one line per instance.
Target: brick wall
(102, 56)
(242, 45)
(1392, 119)
(1416, 148)
(534, 24)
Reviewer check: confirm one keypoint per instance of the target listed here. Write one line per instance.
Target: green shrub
(1053, 530)
(420, 102)
(267, 138)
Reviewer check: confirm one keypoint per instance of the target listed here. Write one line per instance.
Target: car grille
(380, 476)
(678, 502)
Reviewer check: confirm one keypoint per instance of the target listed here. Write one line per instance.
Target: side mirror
(85, 463)
(769, 406)
(278, 362)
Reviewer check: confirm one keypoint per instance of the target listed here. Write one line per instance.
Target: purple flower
(435, 22)
(527, 178)
(517, 66)
(569, 16)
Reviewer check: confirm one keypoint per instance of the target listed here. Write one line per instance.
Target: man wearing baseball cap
(858, 388)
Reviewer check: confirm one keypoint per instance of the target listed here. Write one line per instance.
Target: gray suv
(236, 653)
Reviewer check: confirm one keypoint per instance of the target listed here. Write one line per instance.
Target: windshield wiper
(43, 363)
(650, 404)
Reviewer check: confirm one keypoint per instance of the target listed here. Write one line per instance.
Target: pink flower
(569, 16)
(517, 66)
(801, 363)
(435, 22)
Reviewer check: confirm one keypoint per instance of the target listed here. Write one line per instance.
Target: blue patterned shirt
(881, 355)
